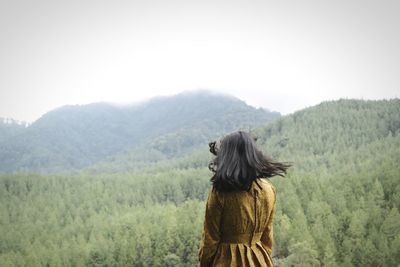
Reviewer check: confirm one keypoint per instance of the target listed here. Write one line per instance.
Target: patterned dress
(238, 227)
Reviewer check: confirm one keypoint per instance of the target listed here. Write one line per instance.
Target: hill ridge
(75, 136)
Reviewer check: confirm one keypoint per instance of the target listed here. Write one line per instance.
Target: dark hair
(239, 162)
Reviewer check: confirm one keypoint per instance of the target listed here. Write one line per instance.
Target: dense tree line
(338, 206)
(110, 220)
(10, 127)
(74, 137)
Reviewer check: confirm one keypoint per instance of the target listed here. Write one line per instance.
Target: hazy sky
(282, 55)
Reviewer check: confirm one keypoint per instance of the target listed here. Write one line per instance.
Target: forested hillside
(74, 137)
(10, 128)
(338, 206)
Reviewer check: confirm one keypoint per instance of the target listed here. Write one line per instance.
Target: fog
(282, 55)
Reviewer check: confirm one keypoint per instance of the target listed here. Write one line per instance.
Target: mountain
(340, 201)
(312, 135)
(10, 128)
(73, 137)
(332, 127)
(338, 205)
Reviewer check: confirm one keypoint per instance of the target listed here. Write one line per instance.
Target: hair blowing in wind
(239, 162)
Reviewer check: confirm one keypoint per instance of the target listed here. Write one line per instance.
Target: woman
(240, 206)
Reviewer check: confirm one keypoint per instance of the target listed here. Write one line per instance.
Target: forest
(338, 205)
(73, 137)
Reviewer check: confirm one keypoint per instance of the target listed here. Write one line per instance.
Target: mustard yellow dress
(238, 227)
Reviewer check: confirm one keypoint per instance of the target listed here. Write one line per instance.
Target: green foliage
(74, 137)
(302, 255)
(338, 206)
(115, 220)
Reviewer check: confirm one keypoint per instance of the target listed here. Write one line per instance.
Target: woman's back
(238, 227)
(240, 207)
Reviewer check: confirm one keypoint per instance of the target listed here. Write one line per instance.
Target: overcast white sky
(282, 55)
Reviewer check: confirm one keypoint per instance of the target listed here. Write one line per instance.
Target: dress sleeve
(211, 233)
(267, 236)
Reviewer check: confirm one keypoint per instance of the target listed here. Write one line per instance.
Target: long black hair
(239, 162)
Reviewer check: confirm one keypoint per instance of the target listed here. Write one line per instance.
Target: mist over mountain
(314, 137)
(76, 136)
(10, 127)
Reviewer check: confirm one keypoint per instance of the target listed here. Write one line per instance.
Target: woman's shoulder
(215, 196)
(267, 185)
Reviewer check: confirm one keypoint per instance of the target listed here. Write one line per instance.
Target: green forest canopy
(338, 206)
